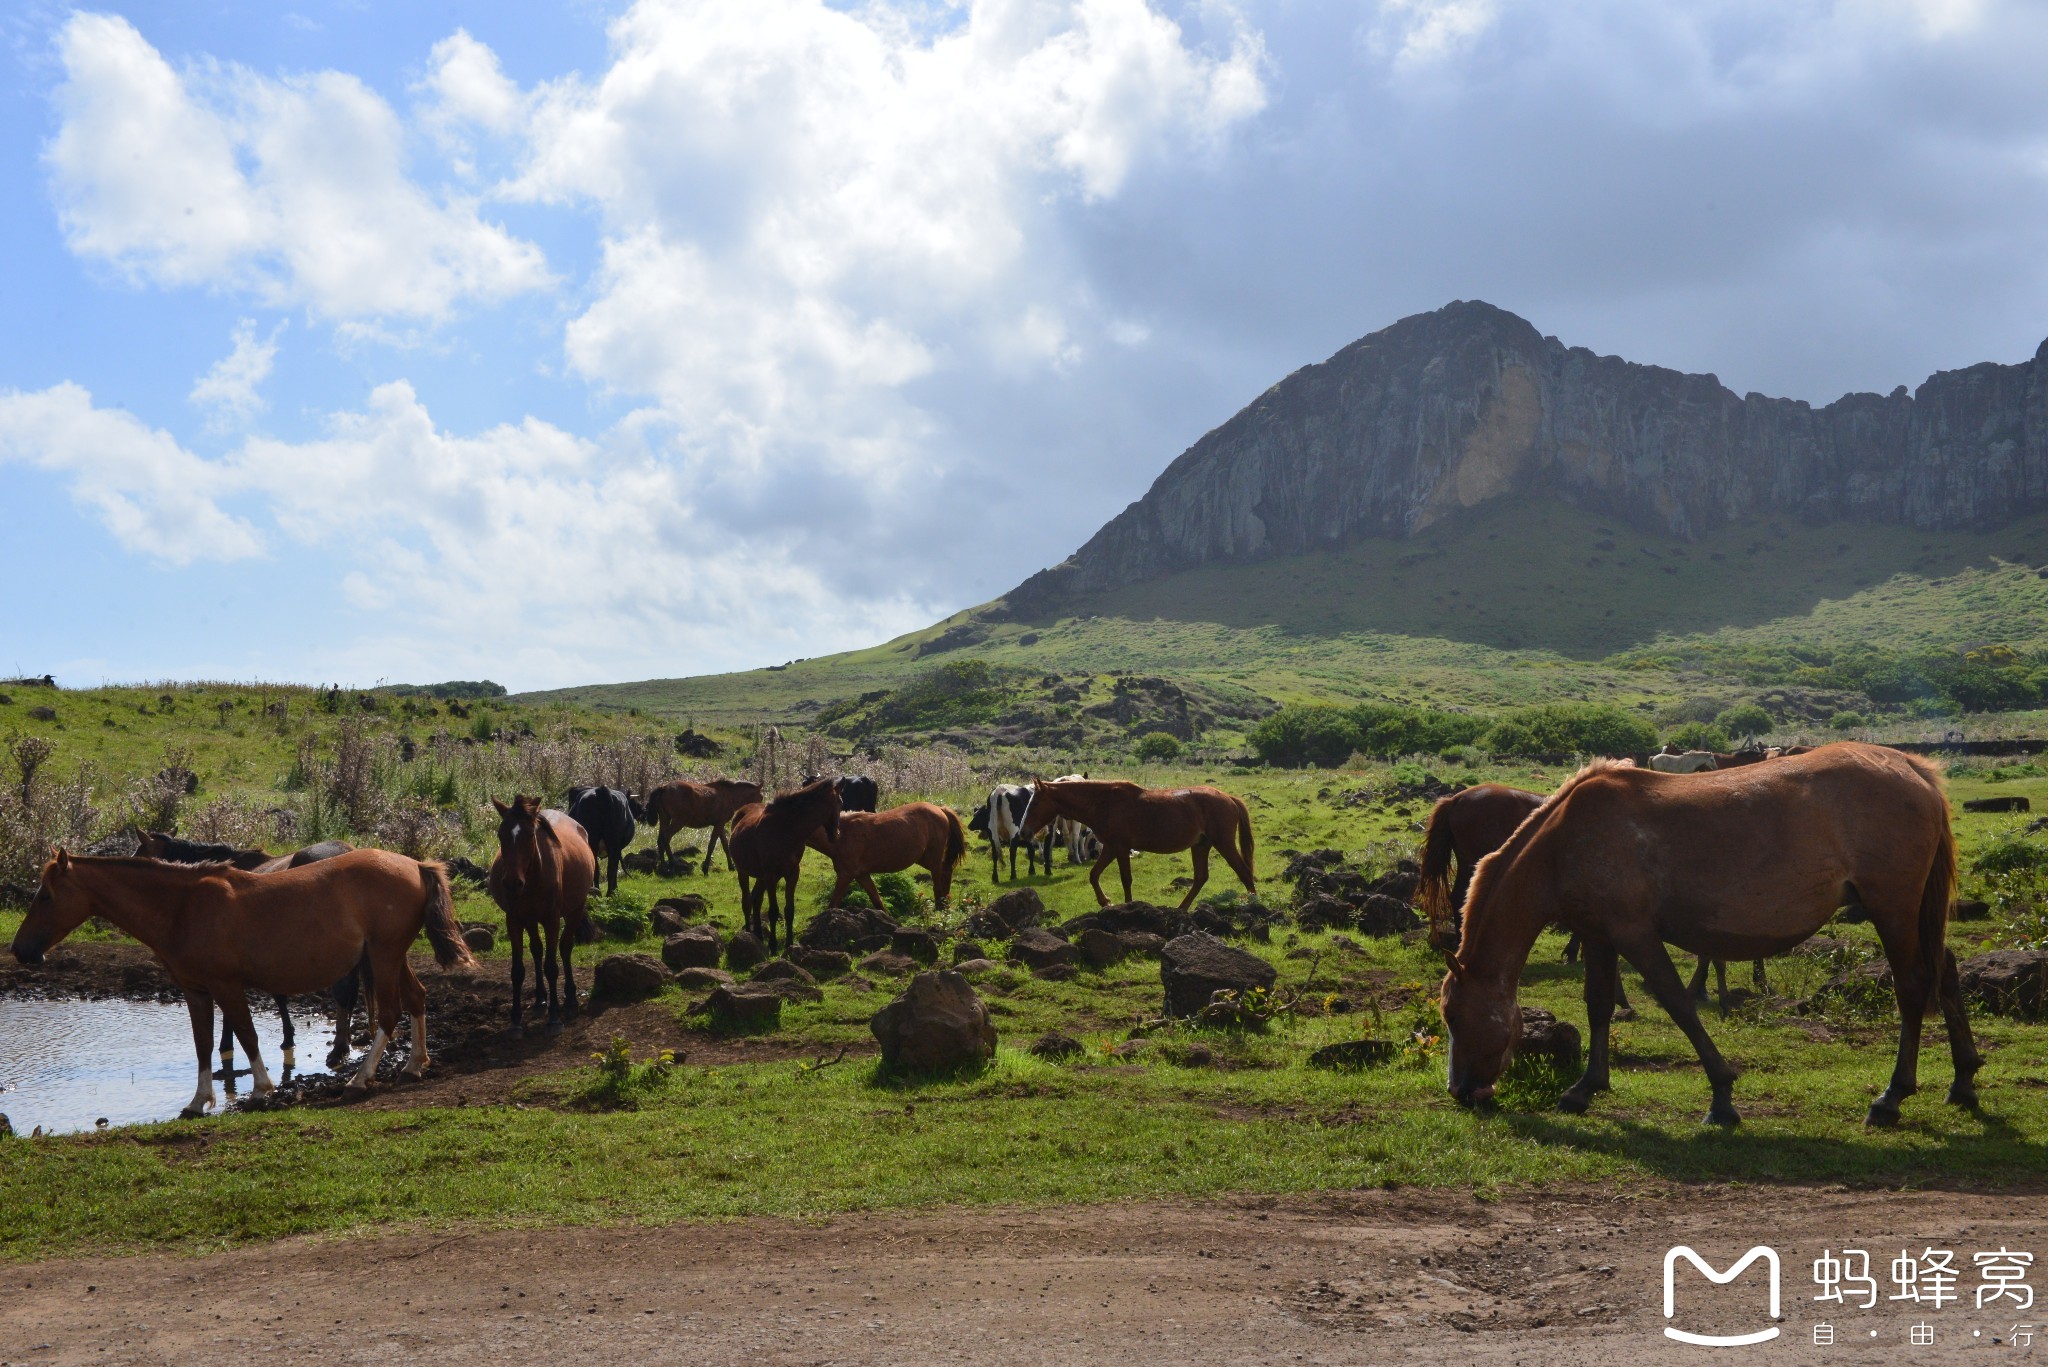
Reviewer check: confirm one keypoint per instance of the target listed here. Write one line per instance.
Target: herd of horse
(1741, 861)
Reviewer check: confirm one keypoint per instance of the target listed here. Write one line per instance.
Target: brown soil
(1347, 1278)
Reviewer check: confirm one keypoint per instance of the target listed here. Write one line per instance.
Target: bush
(1696, 735)
(619, 1084)
(1156, 746)
(1570, 729)
(1746, 719)
(1846, 721)
(1317, 733)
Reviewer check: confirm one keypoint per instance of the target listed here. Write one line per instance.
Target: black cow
(857, 792)
(606, 815)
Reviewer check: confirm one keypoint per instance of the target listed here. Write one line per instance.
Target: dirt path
(1378, 1277)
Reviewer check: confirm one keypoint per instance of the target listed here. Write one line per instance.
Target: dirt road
(1378, 1277)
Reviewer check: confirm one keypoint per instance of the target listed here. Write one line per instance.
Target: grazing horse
(1126, 817)
(767, 848)
(683, 806)
(1001, 821)
(922, 833)
(1076, 839)
(1469, 825)
(542, 880)
(342, 996)
(220, 931)
(857, 792)
(606, 816)
(1726, 865)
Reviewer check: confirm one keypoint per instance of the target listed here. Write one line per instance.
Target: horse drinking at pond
(542, 880)
(1739, 864)
(1126, 817)
(767, 849)
(606, 816)
(684, 805)
(220, 931)
(868, 843)
(341, 997)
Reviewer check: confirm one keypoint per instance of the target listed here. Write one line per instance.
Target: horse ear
(63, 860)
(1457, 970)
(502, 808)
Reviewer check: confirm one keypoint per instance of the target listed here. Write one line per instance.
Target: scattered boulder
(1196, 966)
(1381, 915)
(468, 870)
(888, 963)
(1196, 1055)
(848, 929)
(1122, 917)
(744, 1006)
(691, 947)
(1055, 973)
(704, 977)
(1141, 942)
(782, 970)
(1038, 948)
(2013, 803)
(1100, 948)
(691, 906)
(1130, 1048)
(968, 949)
(43, 713)
(1007, 914)
(482, 939)
(1323, 912)
(1970, 909)
(744, 950)
(1237, 917)
(974, 968)
(822, 963)
(1858, 983)
(2012, 982)
(920, 945)
(1354, 1054)
(1057, 1048)
(937, 1025)
(667, 921)
(1546, 1037)
(639, 861)
(627, 977)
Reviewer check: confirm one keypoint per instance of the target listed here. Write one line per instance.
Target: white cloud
(229, 390)
(157, 498)
(1420, 31)
(295, 191)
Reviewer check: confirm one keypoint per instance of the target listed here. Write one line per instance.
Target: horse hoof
(191, 1113)
(1882, 1116)
(554, 1028)
(516, 1032)
(1574, 1103)
(1961, 1094)
(1723, 1116)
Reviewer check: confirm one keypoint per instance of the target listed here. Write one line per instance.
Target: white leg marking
(416, 1059)
(361, 1081)
(202, 1099)
(264, 1086)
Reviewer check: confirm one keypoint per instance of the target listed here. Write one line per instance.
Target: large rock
(2012, 982)
(1057, 1048)
(888, 963)
(782, 970)
(1196, 966)
(1037, 948)
(691, 906)
(1324, 912)
(482, 939)
(744, 950)
(703, 977)
(691, 947)
(667, 921)
(937, 1025)
(1549, 1039)
(1123, 917)
(1381, 915)
(846, 929)
(627, 977)
(1007, 914)
(746, 1006)
(1445, 410)
(821, 963)
(1100, 948)
(920, 945)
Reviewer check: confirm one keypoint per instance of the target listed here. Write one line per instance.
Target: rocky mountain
(1446, 410)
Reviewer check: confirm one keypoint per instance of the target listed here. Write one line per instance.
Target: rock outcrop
(1446, 410)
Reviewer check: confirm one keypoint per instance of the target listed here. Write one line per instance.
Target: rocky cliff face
(1447, 409)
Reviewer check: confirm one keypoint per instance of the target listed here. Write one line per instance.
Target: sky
(587, 342)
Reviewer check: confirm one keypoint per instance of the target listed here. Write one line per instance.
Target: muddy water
(65, 1065)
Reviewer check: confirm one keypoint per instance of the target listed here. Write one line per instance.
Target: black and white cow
(1001, 820)
(857, 792)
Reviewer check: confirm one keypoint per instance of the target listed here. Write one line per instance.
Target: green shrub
(1846, 721)
(1566, 728)
(618, 1083)
(1317, 733)
(1156, 746)
(2012, 852)
(1746, 719)
(1696, 735)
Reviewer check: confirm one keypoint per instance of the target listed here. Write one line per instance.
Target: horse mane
(797, 797)
(1524, 836)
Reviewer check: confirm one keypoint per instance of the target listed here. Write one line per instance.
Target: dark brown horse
(220, 932)
(341, 997)
(684, 805)
(542, 880)
(767, 849)
(1126, 817)
(869, 843)
(1729, 865)
(1468, 825)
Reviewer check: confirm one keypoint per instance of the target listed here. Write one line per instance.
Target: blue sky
(599, 341)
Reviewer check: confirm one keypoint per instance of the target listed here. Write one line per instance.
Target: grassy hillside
(1514, 603)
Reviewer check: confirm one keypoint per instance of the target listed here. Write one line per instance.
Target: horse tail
(956, 839)
(1244, 834)
(1434, 891)
(442, 932)
(1934, 901)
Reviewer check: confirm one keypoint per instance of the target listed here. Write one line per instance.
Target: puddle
(66, 1064)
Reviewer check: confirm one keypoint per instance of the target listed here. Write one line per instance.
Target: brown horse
(1126, 817)
(1468, 825)
(542, 880)
(1728, 865)
(220, 931)
(341, 997)
(767, 849)
(683, 806)
(868, 843)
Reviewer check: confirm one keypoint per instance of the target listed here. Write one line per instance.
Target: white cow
(1690, 762)
(1081, 845)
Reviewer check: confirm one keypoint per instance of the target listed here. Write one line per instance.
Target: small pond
(65, 1064)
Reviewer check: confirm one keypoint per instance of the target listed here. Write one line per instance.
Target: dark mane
(1525, 834)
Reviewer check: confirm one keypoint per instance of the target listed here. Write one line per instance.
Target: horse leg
(1239, 865)
(1898, 936)
(199, 1006)
(662, 832)
(867, 885)
(1653, 961)
(570, 1005)
(711, 848)
(284, 1014)
(1200, 855)
(1095, 875)
(227, 1053)
(1697, 988)
(1756, 977)
(541, 995)
(554, 936)
(789, 908)
(1123, 866)
(384, 1019)
(1961, 1047)
(942, 880)
(415, 998)
(518, 981)
(1603, 975)
(234, 1008)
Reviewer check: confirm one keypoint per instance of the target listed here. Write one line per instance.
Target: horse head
(59, 907)
(1484, 1026)
(518, 845)
(1038, 815)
